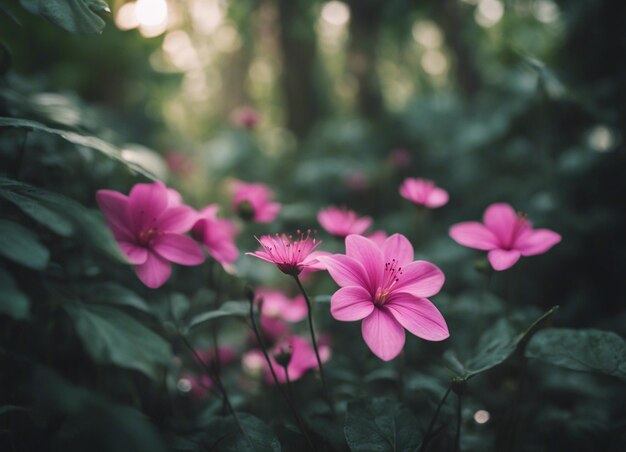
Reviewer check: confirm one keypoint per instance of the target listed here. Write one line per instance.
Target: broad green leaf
(22, 246)
(91, 142)
(110, 336)
(381, 425)
(498, 343)
(228, 309)
(40, 213)
(4, 409)
(115, 294)
(588, 350)
(252, 434)
(13, 301)
(76, 16)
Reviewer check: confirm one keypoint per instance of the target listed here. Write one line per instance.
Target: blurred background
(336, 103)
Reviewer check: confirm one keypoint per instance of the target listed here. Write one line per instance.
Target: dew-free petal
(383, 334)
(351, 303)
(419, 316)
(502, 259)
(474, 235)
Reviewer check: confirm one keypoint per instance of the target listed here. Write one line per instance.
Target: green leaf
(13, 302)
(22, 246)
(76, 16)
(252, 434)
(228, 309)
(112, 337)
(91, 142)
(498, 343)
(586, 350)
(381, 425)
(38, 212)
(112, 293)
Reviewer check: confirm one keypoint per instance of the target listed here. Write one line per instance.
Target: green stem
(292, 407)
(314, 340)
(434, 419)
(457, 437)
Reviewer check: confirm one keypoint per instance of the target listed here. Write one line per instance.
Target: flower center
(148, 235)
(391, 276)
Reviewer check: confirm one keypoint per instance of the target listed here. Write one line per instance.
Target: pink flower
(378, 237)
(216, 234)
(245, 116)
(342, 222)
(226, 353)
(149, 230)
(302, 359)
(277, 305)
(356, 180)
(289, 255)
(423, 193)
(252, 202)
(505, 234)
(382, 286)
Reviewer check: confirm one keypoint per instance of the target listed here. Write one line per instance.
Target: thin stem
(457, 437)
(289, 389)
(314, 340)
(434, 419)
(259, 338)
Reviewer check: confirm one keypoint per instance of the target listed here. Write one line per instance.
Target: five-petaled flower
(290, 254)
(507, 236)
(216, 234)
(423, 193)
(342, 222)
(385, 288)
(148, 226)
(252, 202)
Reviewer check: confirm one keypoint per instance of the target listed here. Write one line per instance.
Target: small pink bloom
(505, 234)
(216, 234)
(277, 305)
(378, 237)
(385, 288)
(342, 222)
(245, 116)
(356, 180)
(302, 359)
(253, 202)
(400, 158)
(149, 230)
(226, 353)
(290, 255)
(423, 193)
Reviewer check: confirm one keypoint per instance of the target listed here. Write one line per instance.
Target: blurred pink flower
(386, 289)
(277, 305)
(302, 359)
(226, 353)
(253, 202)
(378, 237)
(289, 255)
(216, 234)
(149, 230)
(356, 180)
(179, 163)
(400, 158)
(423, 193)
(245, 116)
(505, 234)
(342, 222)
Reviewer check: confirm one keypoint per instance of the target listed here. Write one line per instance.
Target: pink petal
(502, 259)
(537, 241)
(351, 303)
(134, 253)
(361, 225)
(312, 262)
(436, 198)
(210, 211)
(367, 253)
(262, 255)
(383, 334)
(501, 219)
(418, 315)
(345, 271)
(267, 213)
(154, 272)
(178, 219)
(146, 202)
(179, 249)
(225, 251)
(474, 235)
(115, 208)
(399, 248)
(295, 310)
(421, 279)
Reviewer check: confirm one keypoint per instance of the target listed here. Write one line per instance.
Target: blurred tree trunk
(365, 22)
(299, 53)
(451, 18)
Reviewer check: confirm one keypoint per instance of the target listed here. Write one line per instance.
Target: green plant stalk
(457, 436)
(431, 425)
(314, 340)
